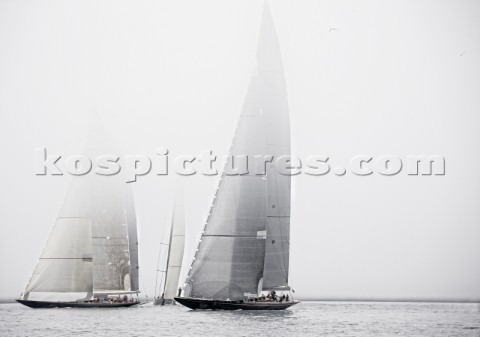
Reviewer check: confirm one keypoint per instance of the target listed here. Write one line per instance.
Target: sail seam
(65, 258)
(232, 236)
(105, 237)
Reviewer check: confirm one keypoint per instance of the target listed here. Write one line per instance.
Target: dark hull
(196, 303)
(45, 304)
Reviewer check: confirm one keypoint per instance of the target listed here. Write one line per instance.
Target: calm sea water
(306, 319)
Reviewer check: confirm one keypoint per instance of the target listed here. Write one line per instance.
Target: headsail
(175, 249)
(64, 270)
(132, 239)
(246, 237)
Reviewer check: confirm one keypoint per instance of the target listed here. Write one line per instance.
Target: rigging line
(158, 262)
(108, 237)
(169, 252)
(232, 236)
(291, 280)
(288, 243)
(249, 175)
(65, 258)
(279, 263)
(283, 272)
(219, 183)
(143, 281)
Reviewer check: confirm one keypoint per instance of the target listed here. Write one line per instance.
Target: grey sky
(393, 77)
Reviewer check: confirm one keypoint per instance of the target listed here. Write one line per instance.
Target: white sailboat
(91, 256)
(170, 271)
(244, 249)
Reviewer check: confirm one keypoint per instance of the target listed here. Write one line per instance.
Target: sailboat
(243, 252)
(173, 264)
(91, 256)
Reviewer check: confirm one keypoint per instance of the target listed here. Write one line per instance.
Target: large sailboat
(91, 256)
(242, 259)
(169, 269)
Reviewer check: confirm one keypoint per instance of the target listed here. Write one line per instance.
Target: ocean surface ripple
(305, 319)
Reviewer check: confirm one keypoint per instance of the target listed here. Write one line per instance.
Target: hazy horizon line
(5, 300)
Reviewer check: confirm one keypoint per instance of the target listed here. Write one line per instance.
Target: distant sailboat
(244, 248)
(173, 264)
(91, 256)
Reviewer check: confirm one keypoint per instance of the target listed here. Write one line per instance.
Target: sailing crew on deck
(273, 295)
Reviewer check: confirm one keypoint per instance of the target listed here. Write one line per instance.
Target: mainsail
(244, 246)
(114, 239)
(93, 246)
